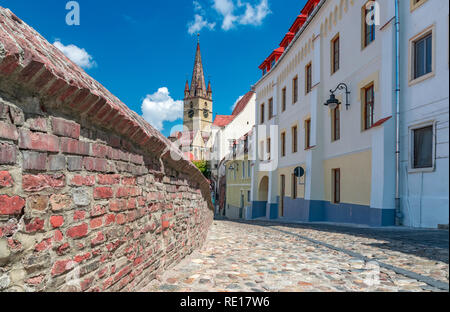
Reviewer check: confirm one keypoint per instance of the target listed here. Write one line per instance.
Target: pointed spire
(209, 91)
(186, 89)
(198, 87)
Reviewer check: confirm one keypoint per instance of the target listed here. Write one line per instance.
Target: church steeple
(198, 103)
(198, 86)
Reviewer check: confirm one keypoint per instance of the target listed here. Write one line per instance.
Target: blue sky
(143, 51)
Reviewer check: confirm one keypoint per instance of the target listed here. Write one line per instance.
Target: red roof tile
(240, 106)
(222, 120)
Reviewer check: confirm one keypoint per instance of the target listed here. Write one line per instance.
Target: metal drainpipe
(398, 213)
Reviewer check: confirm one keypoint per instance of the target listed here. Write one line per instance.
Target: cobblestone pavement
(262, 256)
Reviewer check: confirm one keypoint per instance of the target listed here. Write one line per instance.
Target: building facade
(229, 157)
(348, 151)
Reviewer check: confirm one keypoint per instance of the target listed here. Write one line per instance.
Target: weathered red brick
(121, 219)
(79, 180)
(60, 202)
(34, 225)
(34, 161)
(79, 215)
(65, 128)
(129, 181)
(44, 245)
(37, 183)
(38, 124)
(38, 141)
(83, 257)
(96, 223)
(58, 236)
(108, 179)
(63, 249)
(56, 221)
(103, 193)
(5, 179)
(99, 150)
(62, 266)
(11, 205)
(109, 219)
(8, 154)
(78, 231)
(128, 192)
(37, 280)
(95, 164)
(71, 146)
(8, 131)
(117, 205)
(98, 239)
(98, 210)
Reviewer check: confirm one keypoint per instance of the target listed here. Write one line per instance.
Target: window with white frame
(422, 56)
(422, 147)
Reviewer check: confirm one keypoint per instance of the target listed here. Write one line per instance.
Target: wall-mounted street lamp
(333, 102)
(233, 167)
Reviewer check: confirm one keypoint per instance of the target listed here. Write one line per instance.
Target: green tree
(204, 168)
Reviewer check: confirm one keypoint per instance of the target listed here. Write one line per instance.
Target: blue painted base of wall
(258, 209)
(322, 211)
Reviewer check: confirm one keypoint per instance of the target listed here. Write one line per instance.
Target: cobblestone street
(263, 256)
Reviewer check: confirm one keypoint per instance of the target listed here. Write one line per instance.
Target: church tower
(198, 104)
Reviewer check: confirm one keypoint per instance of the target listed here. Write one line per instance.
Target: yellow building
(238, 181)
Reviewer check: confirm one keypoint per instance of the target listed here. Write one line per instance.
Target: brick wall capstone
(92, 198)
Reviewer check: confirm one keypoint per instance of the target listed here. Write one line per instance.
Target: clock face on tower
(205, 113)
(191, 113)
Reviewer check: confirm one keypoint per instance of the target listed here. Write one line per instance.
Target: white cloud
(160, 107)
(254, 15)
(235, 103)
(77, 55)
(232, 13)
(226, 9)
(198, 24)
(229, 13)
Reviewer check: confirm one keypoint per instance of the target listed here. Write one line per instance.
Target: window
(262, 113)
(308, 134)
(336, 124)
(335, 55)
(308, 78)
(336, 174)
(368, 26)
(422, 147)
(294, 139)
(294, 187)
(243, 170)
(273, 63)
(248, 196)
(268, 148)
(414, 4)
(283, 99)
(249, 168)
(261, 150)
(283, 144)
(295, 90)
(422, 56)
(270, 109)
(369, 103)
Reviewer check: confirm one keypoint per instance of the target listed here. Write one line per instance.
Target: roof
(240, 106)
(223, 120)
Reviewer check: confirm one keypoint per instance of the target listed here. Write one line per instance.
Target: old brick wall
(91, 196)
